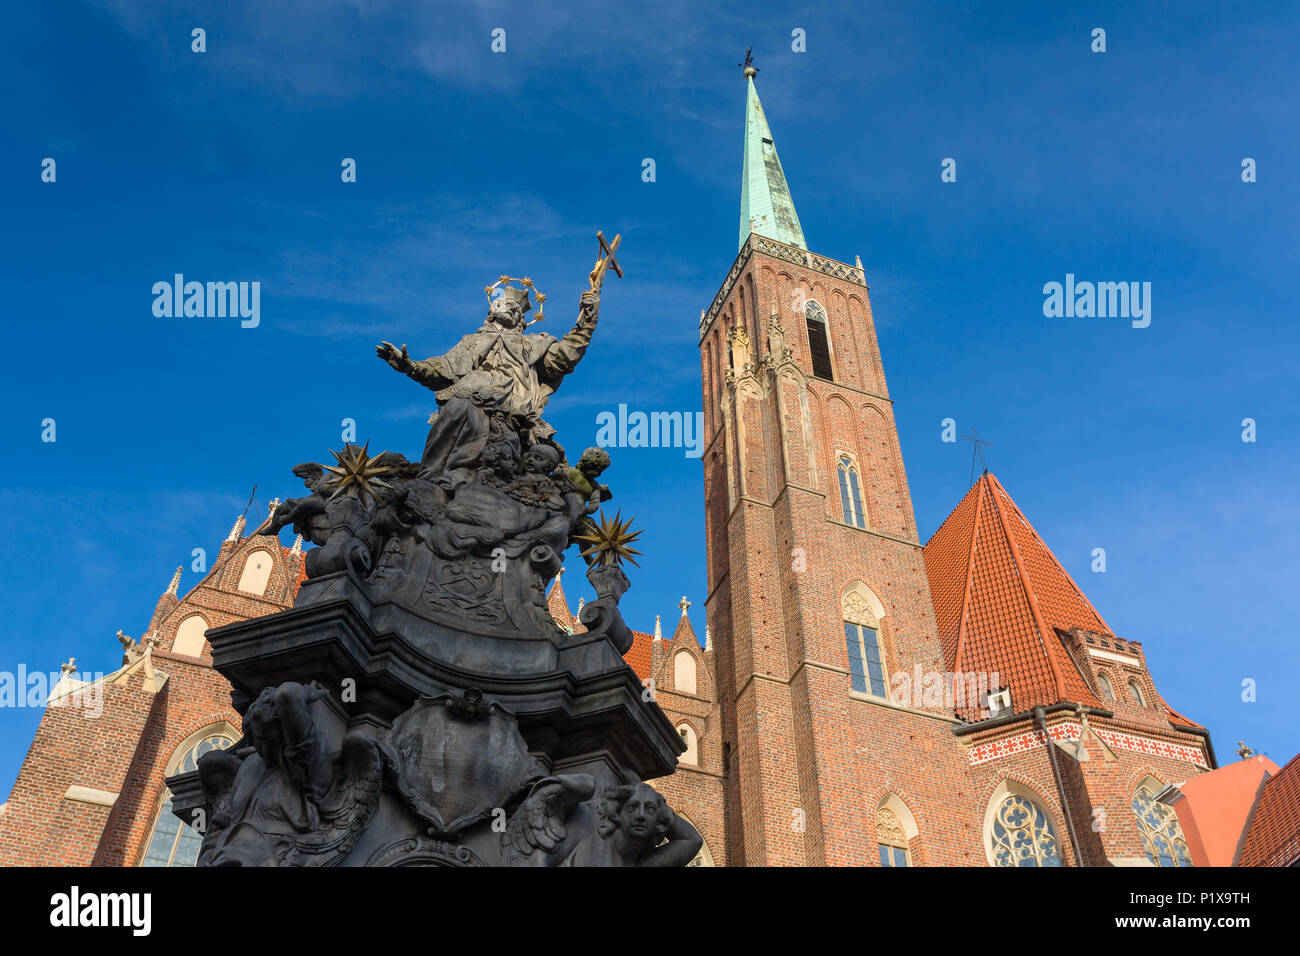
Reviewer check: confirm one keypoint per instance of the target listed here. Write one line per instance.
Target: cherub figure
(534, 486)
(636, 819)
(582, 479)
(628, 825)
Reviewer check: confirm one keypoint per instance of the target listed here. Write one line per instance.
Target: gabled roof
(1274, 835)
(765, 199)
(1000, 595)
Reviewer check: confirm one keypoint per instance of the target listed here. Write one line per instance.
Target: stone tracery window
(862, 641)
(172, 842)
(1162, 836)
(851, 493)
(891, 839)
(1022, 834)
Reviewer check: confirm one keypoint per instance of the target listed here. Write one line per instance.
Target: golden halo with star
(526, 284)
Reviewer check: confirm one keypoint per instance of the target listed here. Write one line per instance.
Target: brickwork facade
(91, 787)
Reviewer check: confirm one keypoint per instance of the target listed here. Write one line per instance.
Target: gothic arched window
(1106, 690)
(1136, 693)
(819, 348)
(851, 493)
(1020, 833)
(891, 839)
(256, 573)
(692, 753)
(1162, 836)
(684, 672)
(862, 640)
(172, 842)
(190, 636)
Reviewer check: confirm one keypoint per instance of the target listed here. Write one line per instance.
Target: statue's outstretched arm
(431, 373)
(564, 354)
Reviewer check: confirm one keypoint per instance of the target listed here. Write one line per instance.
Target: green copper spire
(766, 206)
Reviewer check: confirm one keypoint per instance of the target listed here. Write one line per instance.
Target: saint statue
(500, 374)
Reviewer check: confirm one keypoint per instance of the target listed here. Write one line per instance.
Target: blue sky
(225, 166)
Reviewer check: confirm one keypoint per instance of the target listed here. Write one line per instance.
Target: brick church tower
(816, 578)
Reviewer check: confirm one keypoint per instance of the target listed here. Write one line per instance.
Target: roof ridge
(1027, 585)
(960, 501)
(970, 576)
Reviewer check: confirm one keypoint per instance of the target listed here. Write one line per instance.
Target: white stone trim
(1112, 656)
(98, 798)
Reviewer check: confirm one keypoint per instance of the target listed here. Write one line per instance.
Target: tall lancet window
(862, 641)
(819, 347)
(851, 494)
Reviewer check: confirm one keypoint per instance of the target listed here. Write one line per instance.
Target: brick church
(857, 699)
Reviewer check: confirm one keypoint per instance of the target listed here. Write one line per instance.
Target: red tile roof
(640, 655)
(1000, 595)
(1274, 835)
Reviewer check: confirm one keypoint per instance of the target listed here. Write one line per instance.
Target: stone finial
(152, 640)
(582, 602)
(236, 530)
(683, 604)
(69, 668)
(1243, 751)
(659, 629)
(175, 584)
(296, 550)
(708, 639)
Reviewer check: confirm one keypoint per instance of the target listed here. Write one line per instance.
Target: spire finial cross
(751, 70)
(683, 604)
(977, 451)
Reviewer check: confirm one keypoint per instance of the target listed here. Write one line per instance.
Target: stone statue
(500, 371)
(282, 798)
(629, 825)
(426, 594)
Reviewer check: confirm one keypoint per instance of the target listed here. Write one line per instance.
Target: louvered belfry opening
(818, 346)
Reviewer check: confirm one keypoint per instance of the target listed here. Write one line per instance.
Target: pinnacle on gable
(684, 628)
(296, 550)
(236, 530)
(175, 584)
(659, 629)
